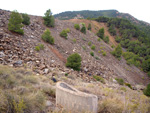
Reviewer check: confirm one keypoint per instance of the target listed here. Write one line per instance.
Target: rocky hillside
(144, 26)
(18, 50)
(48, 66)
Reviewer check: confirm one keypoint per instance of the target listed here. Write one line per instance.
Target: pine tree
(118, 51)
(74, 61)
(101, 33)
(89, 27)
(26, 19)
(49, 19)
(83, 29)
(15, 23)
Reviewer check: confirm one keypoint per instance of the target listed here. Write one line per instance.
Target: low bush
(18, 91)
(84, 47)
(89, 27)
(74, 40)
(148, 74)
(76, 26)
(131, 58)
(68, 30)
(92, 53)
(123, 88)
(118, 39)
(120, 81)
(39, 47)
(89, 43)
(93, 47)
(46, 36)
(99, 39)
(64, 34)
(104, 53)
(147, 90)
(74, 61)
(98, 78)
(111, 105)
(15, 23)
(106, 39)
(83, 29)
(112, 46)
(100, 33)
(129, 85)
(117, 52)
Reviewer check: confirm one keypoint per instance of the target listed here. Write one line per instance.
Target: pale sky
(140, 9)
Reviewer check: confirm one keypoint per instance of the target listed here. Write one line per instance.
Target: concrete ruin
(74, 100)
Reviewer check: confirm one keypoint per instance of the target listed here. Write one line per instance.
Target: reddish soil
(95, 27)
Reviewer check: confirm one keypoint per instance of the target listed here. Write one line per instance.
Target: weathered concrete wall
(75, 100)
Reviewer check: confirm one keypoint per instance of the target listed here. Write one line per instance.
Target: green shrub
(84, 39)
(39, 47)
(83, 29)
(66, 74)
(120, 81)
(20, 106)
(68, 30)
(147, 90)
(104, 53)
(97, 58)
(106, 39)
(92, 53)
(148, 74)
(146, 65)
(64, 34)
(131, 58)
(118, 39)
(84, 47)
(93, 47)
(129, 85)
(15, 23)
(89, 27)
(74, 40)
(99, 39)
(123, 88)
(100, 33)
(74, 61)
(112, 30)
(112, 46)
(49, 19)
(46, 36)
(117, 52)
(90, 43)
(26, 19)
(98, 78)
(76, 26)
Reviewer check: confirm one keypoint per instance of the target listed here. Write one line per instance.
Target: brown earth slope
(20, 50)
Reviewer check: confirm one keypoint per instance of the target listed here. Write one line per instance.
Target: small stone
(48, 103)
(46, 71)
(85, 69)
(114, 81)
(2, 54)
(18, 63)
(52, 61)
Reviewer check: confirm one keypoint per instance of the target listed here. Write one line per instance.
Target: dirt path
(56, 52)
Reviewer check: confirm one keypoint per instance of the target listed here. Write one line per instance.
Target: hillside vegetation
(143, 26)
(78, 52)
